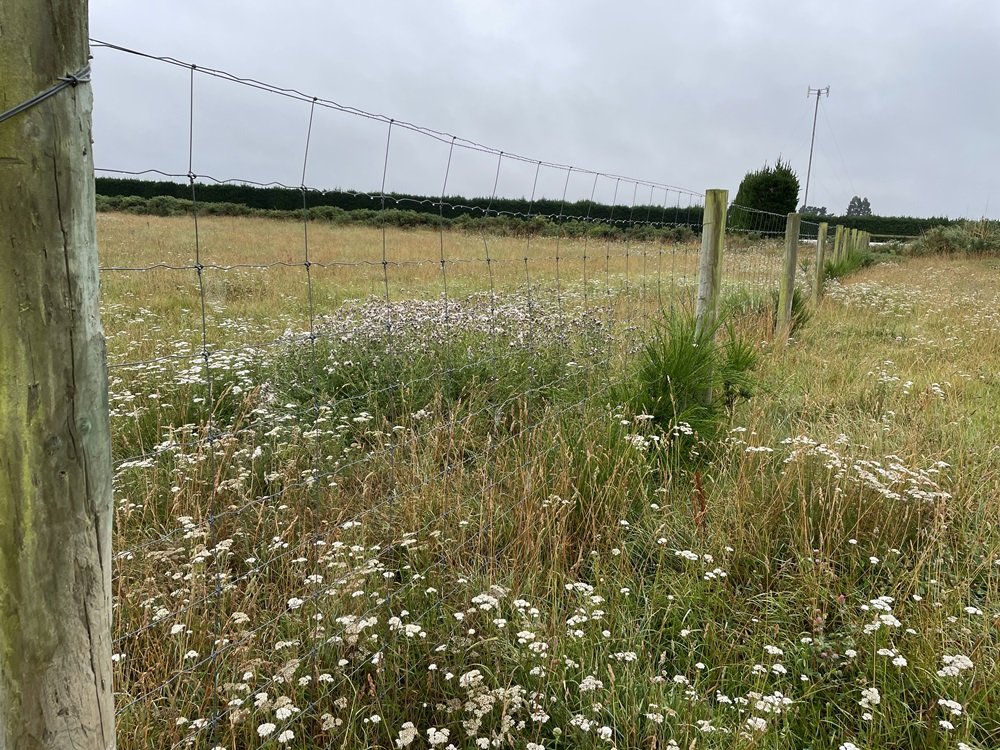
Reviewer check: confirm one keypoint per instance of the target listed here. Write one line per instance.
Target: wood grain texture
(55, 461)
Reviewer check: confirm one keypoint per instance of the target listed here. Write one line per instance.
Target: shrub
(975, 238)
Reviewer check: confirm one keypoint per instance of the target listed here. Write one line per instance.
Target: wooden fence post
(55, 446)
(838, 242)
(820, 261)
(787, 287)
(713, 239)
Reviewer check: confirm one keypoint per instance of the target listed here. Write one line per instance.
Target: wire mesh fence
(325, 427)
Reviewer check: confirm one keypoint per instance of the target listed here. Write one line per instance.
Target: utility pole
(812, 142)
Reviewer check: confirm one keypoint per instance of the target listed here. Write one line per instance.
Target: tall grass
(464, 529)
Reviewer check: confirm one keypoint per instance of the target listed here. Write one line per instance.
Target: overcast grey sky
(690, 94)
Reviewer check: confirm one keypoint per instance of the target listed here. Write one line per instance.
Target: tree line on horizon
(766, 191)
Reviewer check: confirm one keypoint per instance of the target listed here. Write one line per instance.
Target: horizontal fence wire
(300, 408)
(330, 104)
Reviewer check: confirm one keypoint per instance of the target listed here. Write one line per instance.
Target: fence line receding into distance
(282, 392)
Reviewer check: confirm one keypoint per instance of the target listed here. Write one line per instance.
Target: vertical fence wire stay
(212, 542)
(673, 256)
(486, 243)
(382, 223)
(443, 264)
(626, 291)
(660, 250)
(609, 309)
(645, 252)
(628, 236)
(442, 259)
(312, 525)
(686, 262)
(527, 253)
(586, 238)
(561, 320)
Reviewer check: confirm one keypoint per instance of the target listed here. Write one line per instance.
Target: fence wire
(311, 417)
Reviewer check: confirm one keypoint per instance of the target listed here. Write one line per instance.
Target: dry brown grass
(255, 274)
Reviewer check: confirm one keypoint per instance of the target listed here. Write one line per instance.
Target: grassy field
(255, 274)
(443, 521)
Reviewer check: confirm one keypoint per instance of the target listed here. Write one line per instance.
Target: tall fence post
(787, 288)
(838, 242)
(820, 261)
(55, 446)
(713, 238)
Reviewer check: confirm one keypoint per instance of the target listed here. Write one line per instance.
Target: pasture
(406, 503)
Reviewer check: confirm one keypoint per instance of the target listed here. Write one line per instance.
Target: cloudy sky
(689, 94)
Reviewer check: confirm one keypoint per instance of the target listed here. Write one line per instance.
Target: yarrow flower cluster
(954, 665)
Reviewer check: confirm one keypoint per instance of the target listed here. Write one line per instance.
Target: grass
(435, 524)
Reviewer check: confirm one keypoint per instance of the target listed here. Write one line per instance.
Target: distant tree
(859, 207)
(771, 189)
(813, 210)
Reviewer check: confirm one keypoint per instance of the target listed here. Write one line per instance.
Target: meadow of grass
(440, 518)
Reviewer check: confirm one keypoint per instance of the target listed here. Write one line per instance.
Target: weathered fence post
(838, 242)
(713, 238)
(820, 261)
(55, 448)
(787, 287)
